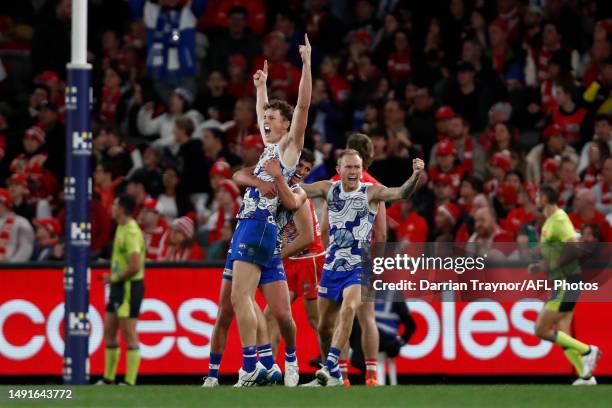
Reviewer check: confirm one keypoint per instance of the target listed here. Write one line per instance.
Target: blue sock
(332, 362)
(265, 355)
(213, 365)
(249, 358)
(290, 354)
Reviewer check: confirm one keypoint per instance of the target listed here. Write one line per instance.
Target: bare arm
(245, 178)
(381, 193)
(259, 80)
(295, 140)
(318, 189)
(380, 223)
(303, 224)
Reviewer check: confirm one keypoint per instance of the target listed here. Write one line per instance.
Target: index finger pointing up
(265, 67)
(306, 40)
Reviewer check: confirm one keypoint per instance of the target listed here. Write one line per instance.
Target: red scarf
(5, 234)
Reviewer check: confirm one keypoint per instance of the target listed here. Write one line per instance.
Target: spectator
(171, 41)
(179, 244)
(173, 202)
(226, 205)
(244, 123)
(422, 121)
(217, 251)
(16, 233)
(597, 155)
(597, 95)
(111, 93)
(154, 226)
(603, 132)
(323, 116)
(237, 40)
(106, 186)
(585, 213)
(117, 153)
(216, 97)
(161, 127)
(603, 189)
(555, 145)
(399, 65)
(219, 171)
(522, 215)
(568, 181)
(47, 246)
(567, 114)
(446, 163)
(239, 85)
(283, 76)
(487, 233)
(470, 188)
(17, 186)
(445, 219)
(214, 145)
(251, 148)
(190, 157)
(407, 225)
(136, 187)
(152, 170)
(55, 138)
(51, 41)
(324, 30)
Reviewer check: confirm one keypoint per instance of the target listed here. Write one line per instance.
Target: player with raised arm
(560, 255)
(352, 208)
(254, 239)
(303, 264)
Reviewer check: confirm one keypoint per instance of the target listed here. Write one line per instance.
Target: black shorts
(562, 299)
(126, 298)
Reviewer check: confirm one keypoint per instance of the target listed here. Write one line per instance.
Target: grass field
(496, 396)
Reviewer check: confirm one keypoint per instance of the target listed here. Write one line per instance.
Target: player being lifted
(560, 252)
(352, 208)
(254, 239)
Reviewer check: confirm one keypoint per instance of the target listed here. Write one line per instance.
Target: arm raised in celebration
(380, 193)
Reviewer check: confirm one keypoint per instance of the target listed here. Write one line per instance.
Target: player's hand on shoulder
(261, 75)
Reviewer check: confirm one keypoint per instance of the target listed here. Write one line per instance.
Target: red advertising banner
(179, 311)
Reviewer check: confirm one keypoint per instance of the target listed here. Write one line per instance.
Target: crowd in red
(498, 97)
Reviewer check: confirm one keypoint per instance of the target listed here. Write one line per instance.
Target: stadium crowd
(498, 97)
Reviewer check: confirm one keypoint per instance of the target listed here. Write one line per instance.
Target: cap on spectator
(274, 35)
(463, 66)
(363, 37)
(552, 130)
(238, 59)
(150, 204)
(36, 132)
(451, 211)
(5, 197)
(502, 159)
(47, 76)
(253, 141)
(185, 94)
(231, 187)
(499, 23)
(445, 148)
(551, 165)
(508, 194)
(17, 178)
(445, 112)
(220, 168)
(47, 105)
(184, 225)
(51, 224)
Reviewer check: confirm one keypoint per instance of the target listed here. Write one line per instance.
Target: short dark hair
(283, 107)
(307, 155)
(363, 145)
(603, 118)
(550, 192)
(127, 203)
(475, 182)
(107, 167)
(185, 123)
(238, 10)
